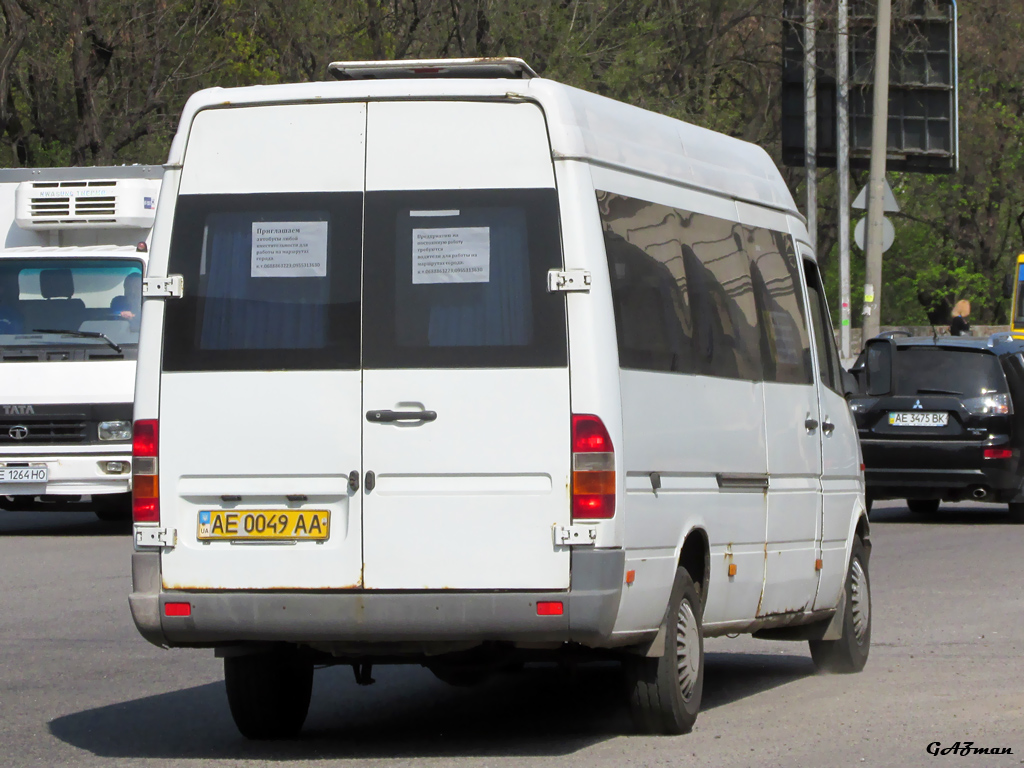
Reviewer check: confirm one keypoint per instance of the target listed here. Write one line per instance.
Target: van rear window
(458, 279)
(450, 279)
(271, 282)
(929, 369)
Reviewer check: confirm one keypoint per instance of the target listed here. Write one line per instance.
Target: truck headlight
(115, 430)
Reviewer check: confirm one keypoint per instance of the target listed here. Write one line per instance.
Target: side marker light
(732, 569)
(630, 577)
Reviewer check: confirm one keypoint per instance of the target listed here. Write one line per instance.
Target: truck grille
(42, 431)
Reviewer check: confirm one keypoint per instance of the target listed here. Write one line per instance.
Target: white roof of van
(582, 125)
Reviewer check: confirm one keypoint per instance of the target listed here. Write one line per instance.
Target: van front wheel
(665, 692)
(850, 652)
(269, 693)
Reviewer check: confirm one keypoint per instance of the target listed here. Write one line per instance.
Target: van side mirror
(880, 354)
(1008, 286)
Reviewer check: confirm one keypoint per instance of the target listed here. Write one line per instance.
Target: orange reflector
(630, 577)
(732, 569)
(177, 609)
(552, 608)
(593, 483)
(818, 564)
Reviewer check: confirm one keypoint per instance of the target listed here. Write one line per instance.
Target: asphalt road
(79, 687)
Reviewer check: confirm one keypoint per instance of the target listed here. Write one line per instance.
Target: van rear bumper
(220, 618)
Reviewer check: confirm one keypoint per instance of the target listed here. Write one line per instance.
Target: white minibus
(459, 366)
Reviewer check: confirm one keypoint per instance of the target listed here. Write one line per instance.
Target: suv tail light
(145, 478)
(593, 469)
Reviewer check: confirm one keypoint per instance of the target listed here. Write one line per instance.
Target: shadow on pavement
(79, 522)
(950, 513)
(540, 711)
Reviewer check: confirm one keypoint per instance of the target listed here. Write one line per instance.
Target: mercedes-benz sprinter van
(461, 366)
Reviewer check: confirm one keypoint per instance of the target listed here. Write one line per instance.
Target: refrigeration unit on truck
(75, 248)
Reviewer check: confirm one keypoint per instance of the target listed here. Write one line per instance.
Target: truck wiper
(82, 334)
(938, 392)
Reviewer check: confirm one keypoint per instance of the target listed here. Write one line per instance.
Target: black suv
(942, 419)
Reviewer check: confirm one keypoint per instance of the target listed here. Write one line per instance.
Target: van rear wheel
(850, 652)
(269, 693)
(665, 692)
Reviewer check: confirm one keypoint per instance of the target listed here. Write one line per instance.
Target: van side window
(683, 290)
(784, 335)
(828, 355)
(271, 282)
(458, 279)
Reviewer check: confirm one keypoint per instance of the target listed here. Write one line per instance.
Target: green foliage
(103, 81)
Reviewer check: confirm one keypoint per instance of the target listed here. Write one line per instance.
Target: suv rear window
(942, 370)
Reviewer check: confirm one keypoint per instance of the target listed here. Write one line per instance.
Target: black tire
(113, 507)
(662, 698)
(1016, 513)
(850, 652)
(269, 693)
(923, 506)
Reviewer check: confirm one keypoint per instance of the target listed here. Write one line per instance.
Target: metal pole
(843, 168)
(876, 184)
(811, 119)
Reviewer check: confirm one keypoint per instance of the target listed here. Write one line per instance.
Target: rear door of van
(367, 347)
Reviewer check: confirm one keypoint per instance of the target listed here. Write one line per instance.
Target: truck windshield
(76, 304)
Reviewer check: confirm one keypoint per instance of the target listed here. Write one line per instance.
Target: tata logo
(917, 406)
(18, 433)
(19, 410)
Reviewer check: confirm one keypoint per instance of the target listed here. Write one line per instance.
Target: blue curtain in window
(243, 312)
(498, 312)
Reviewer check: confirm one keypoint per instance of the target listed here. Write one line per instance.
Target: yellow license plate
(264, 525)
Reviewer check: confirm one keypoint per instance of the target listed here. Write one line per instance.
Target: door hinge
(151, 536)
(566, 280)
(170, 287)
(575, 535)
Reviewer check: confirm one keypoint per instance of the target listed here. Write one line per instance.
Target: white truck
(73, 258)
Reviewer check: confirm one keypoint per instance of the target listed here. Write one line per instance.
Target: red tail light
(997, 453)
(145, 477)
(593, 469)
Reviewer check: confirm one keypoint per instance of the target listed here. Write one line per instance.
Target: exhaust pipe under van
(979, 493)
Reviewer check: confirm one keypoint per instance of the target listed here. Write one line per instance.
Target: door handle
(827, 426)
(369, 481)
(353, 481)
(387, 417)
(810, 424)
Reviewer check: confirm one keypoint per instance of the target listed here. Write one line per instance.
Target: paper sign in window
(451, 255)
(289, 249)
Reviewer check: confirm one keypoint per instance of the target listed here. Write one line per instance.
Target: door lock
(369, 481)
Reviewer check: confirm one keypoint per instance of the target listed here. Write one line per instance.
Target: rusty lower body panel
(358, 616)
